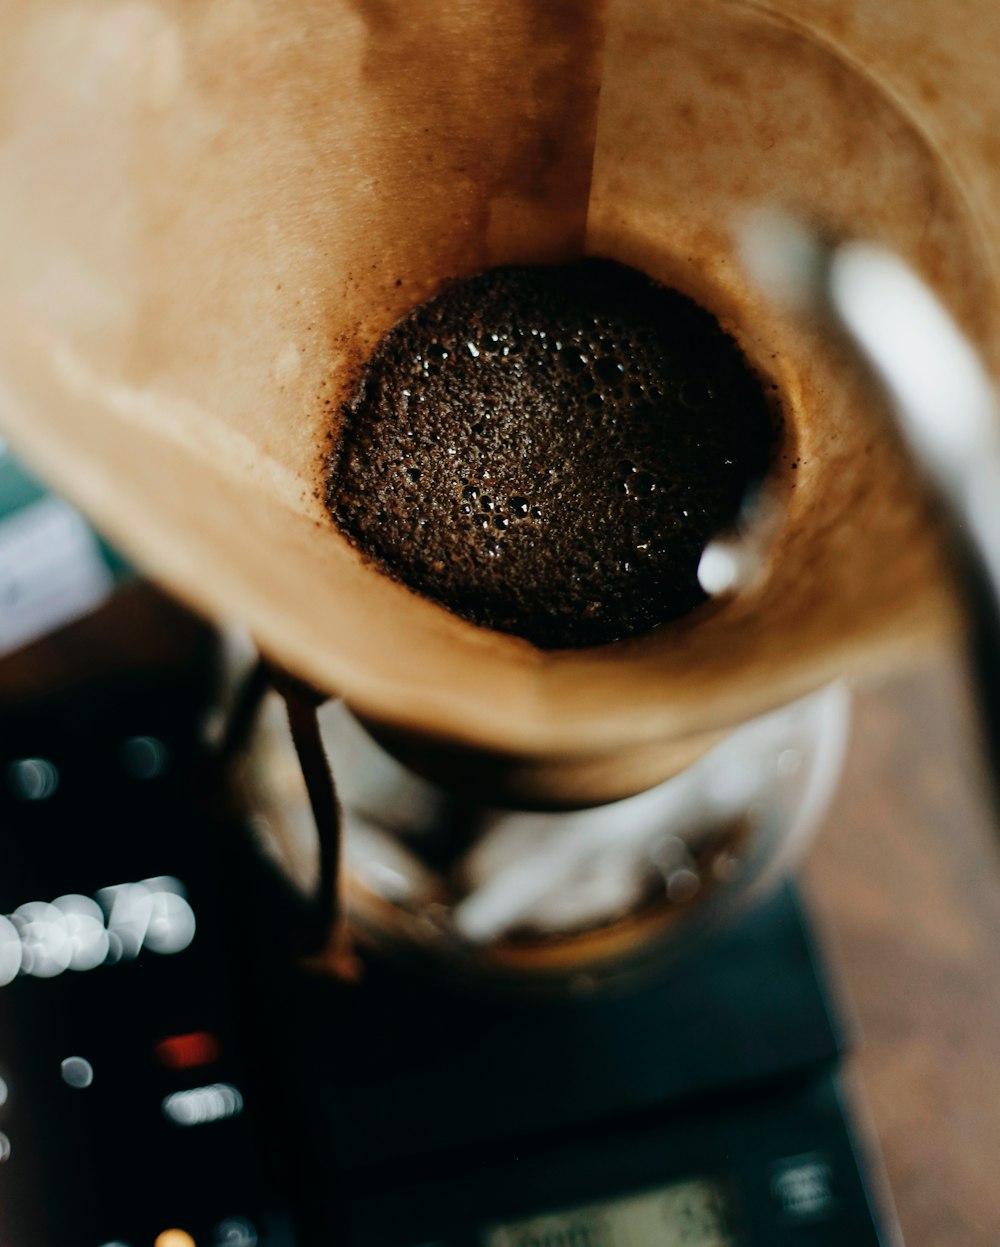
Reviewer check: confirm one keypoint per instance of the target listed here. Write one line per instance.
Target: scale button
(4, 1091)
(4, 1147)
(802, 1187)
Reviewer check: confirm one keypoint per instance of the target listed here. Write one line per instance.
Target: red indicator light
(187, 1051)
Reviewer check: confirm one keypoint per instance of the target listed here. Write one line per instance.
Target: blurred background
(904, 872)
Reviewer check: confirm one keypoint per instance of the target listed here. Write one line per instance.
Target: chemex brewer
(227, 211)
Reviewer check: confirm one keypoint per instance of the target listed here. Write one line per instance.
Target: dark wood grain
(906, 874)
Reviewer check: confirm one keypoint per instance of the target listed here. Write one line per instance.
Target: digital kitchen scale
(170, 1075)
(704, 1110)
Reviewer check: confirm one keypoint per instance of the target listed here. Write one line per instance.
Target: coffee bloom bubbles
(74, 932)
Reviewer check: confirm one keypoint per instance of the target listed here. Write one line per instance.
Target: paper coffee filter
(209, 213)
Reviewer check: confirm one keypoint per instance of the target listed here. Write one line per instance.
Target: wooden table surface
(905, 879)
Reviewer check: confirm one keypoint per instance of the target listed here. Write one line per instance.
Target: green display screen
(686, 1214)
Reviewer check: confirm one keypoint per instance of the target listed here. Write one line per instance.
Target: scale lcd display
(686, 1214)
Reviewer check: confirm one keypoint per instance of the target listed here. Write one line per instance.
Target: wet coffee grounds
(546, 451)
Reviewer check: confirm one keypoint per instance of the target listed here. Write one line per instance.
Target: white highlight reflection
(33, 779)
(946, 398)
(200, 1105)
(76, 1072)
(71, 933)
(10, 952)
